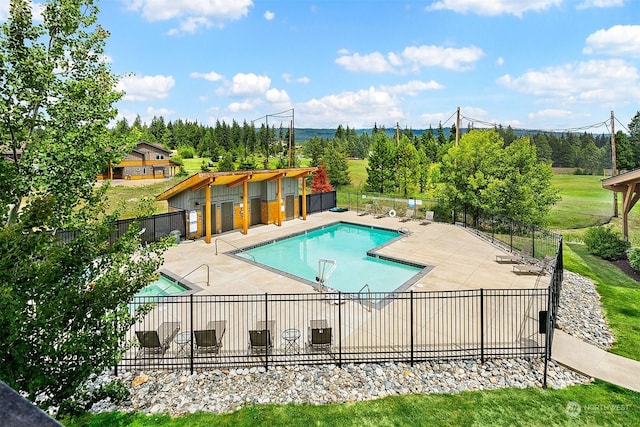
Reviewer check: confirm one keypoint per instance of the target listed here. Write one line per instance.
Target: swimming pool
(352, 246)
(162, 287)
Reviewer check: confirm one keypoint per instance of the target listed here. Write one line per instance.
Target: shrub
(177, 158)
(605, 243)
(186, 152)
(634, 258)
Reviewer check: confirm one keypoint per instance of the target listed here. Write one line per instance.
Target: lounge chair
(157, 342)
(261, 338)
(408, 216)
(537, 269)
(515, 257)
(367, 209)
(319, 336)
(428, 218)
(383, 212)
(209, 340)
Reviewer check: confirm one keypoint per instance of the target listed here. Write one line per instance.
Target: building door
(289, 207)
(211, 226)
(226, 216)
(256, 211)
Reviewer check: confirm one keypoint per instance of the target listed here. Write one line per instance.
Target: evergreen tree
(381, 165)
(406, 165)
(337, 166)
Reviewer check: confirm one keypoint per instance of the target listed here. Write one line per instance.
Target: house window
(159, 156)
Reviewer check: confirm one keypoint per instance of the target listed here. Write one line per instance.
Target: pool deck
(461, 260)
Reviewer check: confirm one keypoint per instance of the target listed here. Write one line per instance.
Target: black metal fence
(336, 328)
(152, 228)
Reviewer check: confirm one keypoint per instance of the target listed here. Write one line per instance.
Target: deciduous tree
(63, 306)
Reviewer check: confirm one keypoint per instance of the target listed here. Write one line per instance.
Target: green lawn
(620, 297)
(584, 204)
(600, 404)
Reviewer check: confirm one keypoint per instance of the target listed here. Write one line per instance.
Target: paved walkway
(594, 362)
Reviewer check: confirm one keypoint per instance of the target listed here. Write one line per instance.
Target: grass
(600, 404)
(620, 297)
(584, 204)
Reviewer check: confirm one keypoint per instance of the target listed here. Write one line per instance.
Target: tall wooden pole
(458, 126)
(614, 168)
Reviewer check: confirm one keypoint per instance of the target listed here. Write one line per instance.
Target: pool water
(345, 243)
(162, 287)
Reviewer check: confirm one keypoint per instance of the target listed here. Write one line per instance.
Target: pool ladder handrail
(366, 286)
(201, 265)
(234, 246)
(323, 276)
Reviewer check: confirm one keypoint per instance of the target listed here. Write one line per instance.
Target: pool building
(217, 202)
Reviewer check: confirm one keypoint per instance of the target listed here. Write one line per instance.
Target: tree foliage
(480, 173)
(63, 306)
(320, 181)
(57, 95)
(381, 165)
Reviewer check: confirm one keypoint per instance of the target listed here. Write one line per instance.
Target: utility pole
(290, 137)
(614, 169)
(397, 133)
(457, 126)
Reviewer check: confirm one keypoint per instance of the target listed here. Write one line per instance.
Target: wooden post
(614, 168)
(458, 126)
(304, 198)
(207, 213)
(279, 200)
(245, 207)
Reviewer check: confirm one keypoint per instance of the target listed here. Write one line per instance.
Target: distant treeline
(588, 153)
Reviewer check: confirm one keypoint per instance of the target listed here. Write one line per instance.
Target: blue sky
(543, 64)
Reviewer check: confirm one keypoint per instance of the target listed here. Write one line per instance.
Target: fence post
(266, 318)
(511, 235)
(482, 325)
(340, 329)
(411, 324)
(533, 241)
(192, 336)
(115, 364)
(547, 339)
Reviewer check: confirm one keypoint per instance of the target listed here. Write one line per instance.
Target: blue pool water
(162, 287)
(345, 243)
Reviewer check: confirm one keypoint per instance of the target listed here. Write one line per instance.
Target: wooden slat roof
(233, 178)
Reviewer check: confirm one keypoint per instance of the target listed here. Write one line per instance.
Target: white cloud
(413, 88)
(190, 25)
(551, 113)
(619, 40)
(364, 108)
(414, 57)
(587, 4)
(288, 78)
(211, 76)
(500, 61)
(145, 88)
(592, 82)
(494, 7)
(457, 59)
(268, 15)
(248, 84)
(192, 14)
(373, 62)
(236, 107)
(276, 96)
